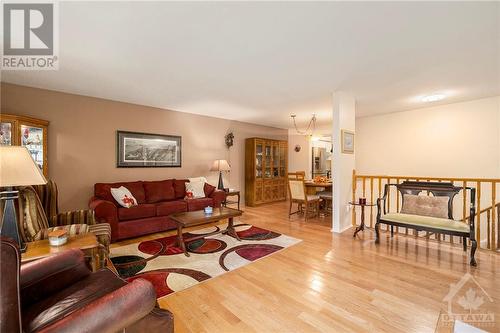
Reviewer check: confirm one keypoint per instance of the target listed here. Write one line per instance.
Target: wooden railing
(487, 220)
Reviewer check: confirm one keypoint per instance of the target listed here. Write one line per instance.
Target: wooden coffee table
(191, 219)
(86, 242)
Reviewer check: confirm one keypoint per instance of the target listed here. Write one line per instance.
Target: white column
(344, 118)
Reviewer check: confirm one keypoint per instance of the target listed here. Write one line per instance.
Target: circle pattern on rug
(160, 279)
(249, 252)
(250, 232)
(128, 266)
(206, 245)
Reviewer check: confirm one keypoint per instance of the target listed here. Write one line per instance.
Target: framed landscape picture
(347, 142)
(139, 150)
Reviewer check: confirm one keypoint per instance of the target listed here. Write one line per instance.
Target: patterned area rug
(164, 264)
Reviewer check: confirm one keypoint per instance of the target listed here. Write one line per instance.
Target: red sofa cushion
(199, 204)
(170, 207)
(137, 212)
(103, 190)
(180, 188)
(157, 191)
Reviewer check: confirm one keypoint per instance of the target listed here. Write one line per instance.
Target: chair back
(297, 189)
(297, 175)
(31, 216)
(10, 307)
(48, 197)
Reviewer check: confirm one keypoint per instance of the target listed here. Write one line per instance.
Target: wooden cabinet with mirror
(28, 132)
(265, 170)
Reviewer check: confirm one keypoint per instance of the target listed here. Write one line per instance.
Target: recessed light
(433, 98)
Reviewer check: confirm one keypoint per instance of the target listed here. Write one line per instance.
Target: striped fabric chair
(39, 215)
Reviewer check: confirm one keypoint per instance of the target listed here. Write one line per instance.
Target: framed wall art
(140, 150)
(347, 142)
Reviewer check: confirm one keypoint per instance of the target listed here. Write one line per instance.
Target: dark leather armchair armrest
(43, 277)
(106, 212)
(112, 312)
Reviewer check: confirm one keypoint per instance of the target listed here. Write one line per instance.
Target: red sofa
(156, 200)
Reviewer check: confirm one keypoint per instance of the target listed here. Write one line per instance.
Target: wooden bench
(410, 191)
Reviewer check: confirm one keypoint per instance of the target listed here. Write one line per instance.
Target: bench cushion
(427, 221)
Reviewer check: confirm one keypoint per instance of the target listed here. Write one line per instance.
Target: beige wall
(454, 140)
(82, 140)
(299, 161)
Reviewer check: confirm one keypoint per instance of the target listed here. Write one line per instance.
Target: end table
(362, 205)
(232, 193)
(86, 242)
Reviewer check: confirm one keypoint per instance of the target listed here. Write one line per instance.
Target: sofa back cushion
(103, 191)
(180, 188)
(157, 191)
(425, 205)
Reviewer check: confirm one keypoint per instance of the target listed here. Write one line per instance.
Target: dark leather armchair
(60, 294)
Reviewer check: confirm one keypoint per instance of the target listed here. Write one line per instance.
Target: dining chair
(297, 175)
(298, 194)
(327, 198)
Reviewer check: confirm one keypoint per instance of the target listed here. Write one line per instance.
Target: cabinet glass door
(267, 167)
(6, 134)
(282, 161)
(32, 138)
(276, 160)
(258, 160)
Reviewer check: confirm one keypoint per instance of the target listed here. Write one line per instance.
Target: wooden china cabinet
(266, 167)
(28, 132)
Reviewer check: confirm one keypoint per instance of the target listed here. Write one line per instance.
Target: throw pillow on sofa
(123, 196)
(197, 187)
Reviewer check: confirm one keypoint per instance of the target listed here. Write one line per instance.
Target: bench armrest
(381, 202)
(472, 213)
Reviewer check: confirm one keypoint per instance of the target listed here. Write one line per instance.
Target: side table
(231, 193)
(86, 242)
(362, 205)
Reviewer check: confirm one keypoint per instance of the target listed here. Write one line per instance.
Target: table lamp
(220, 165)
(17, 168)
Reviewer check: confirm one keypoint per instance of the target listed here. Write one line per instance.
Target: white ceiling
(259, 62)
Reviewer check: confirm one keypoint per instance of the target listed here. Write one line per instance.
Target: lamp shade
(220, 165)
(17, 167)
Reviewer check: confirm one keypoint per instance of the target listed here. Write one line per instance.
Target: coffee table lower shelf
(191, 219)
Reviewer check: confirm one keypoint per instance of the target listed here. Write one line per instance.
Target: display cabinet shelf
(31, 133)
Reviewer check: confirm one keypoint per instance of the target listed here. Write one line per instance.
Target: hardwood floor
(332, 283)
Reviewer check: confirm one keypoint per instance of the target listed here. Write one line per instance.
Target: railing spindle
(388, 201)
(493, 216)
(371, 200)
(488, 220)
(464, 195)
(478, 220)
(354, 182)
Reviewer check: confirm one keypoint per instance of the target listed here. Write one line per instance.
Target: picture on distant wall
(347, 142)
(147, 150)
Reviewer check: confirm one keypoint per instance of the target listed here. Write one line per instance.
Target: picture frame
(147, 150)
(347, 142)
